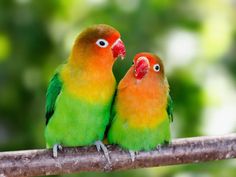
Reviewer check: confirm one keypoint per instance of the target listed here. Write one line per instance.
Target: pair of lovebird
(83, 99)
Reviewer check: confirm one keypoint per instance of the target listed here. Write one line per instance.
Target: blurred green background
(196, 40)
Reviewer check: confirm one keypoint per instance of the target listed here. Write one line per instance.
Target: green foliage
(188, 101)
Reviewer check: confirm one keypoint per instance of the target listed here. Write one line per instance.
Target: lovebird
(80, 94)
(143, 108)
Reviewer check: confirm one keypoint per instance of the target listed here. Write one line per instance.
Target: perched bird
(80, 94)
(143, 108)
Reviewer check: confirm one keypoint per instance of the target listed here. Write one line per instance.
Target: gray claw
(99, 145)
(55, 149)
(158, 147)
(132, 155)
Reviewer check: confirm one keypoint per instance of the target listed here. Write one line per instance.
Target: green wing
(53, 91)
(170, 108)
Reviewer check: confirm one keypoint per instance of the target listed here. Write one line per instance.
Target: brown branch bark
(72, 160)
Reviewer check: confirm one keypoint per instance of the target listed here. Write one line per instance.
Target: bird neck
(90, 63)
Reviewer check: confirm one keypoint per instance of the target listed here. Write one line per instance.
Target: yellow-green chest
(92, 86)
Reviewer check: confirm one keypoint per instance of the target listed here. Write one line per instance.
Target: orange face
(99, 41)
(145, 63)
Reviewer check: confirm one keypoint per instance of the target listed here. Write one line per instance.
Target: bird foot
(158, 147)
(55, 149)
(132, 155)
(100, 146)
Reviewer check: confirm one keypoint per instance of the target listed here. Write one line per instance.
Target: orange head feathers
(98, 42)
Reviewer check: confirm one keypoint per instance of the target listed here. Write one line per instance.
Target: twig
(72, 160)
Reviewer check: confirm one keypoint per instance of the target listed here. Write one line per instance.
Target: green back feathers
(170, 108)
(53, 91)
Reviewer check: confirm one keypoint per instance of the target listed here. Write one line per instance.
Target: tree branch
(72, 160)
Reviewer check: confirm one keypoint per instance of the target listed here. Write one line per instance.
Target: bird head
(147, 64)
(99, 41)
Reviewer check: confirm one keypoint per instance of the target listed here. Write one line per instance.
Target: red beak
(118, 49)
(141, 67)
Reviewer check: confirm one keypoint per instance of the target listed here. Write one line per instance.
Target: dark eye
(132, 62)
(156, 67)
(102, 43)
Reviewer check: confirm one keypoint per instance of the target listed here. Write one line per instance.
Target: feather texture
(53, 91)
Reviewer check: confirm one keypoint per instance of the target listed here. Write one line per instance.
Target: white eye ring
(156, 67)
(102, 43)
